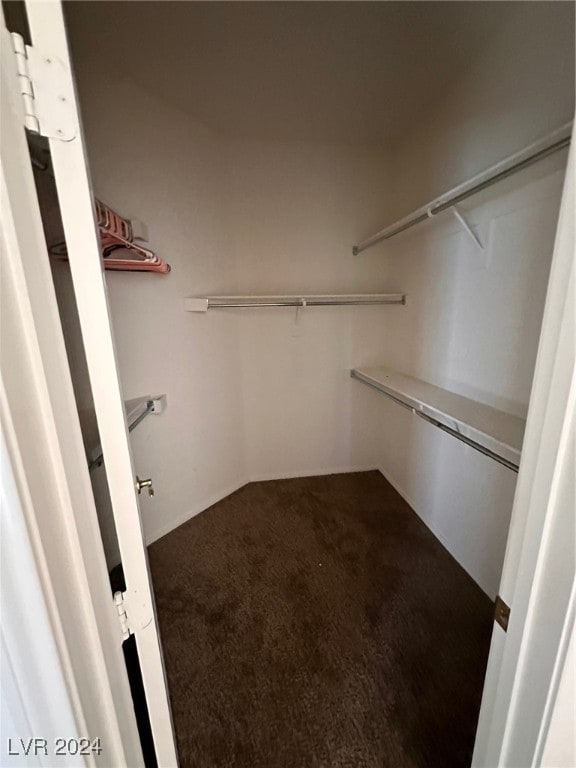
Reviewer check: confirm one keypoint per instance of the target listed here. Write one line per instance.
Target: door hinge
(501, 613)
(120, 604)
(47, 92)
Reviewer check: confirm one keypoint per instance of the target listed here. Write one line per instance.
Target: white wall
(254, 395)
(251, 394)
(150, 162)
(294, 210)
(472, 320)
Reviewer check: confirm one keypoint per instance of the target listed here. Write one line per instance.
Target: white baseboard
(201, 506)
(205, 504)
(414, 508)
(441, 538)
(310, 473)
(438, 534)
(398, 488)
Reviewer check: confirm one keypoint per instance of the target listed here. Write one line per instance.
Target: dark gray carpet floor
(317, 623)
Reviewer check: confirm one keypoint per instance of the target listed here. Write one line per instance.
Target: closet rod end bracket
(194, 304)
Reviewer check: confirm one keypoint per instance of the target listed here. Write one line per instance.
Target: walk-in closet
(326, 232)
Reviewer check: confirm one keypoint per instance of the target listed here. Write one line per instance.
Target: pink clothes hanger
(119, 249)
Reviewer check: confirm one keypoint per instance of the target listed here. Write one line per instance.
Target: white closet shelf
(538, 150)
(204, 303)
(493, 432)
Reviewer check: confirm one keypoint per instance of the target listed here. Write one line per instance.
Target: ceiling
(355, 72)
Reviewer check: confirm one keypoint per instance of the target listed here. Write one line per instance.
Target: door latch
(140, 484)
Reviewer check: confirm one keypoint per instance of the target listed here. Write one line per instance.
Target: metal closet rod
(99, 460)
(202, 304)
(445, 428)
(553, 142)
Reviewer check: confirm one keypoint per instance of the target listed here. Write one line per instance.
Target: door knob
(144, 484)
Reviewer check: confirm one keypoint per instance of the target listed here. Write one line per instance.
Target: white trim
(438, 534)
(400, 490)
(202, 506)
(33, 671)
(205, 504)
(43, 436)
(560, 669)
(539, 565)
(47, 29)
(307, 472)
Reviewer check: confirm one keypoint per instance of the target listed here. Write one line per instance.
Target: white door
(539, 576)
(57, 110)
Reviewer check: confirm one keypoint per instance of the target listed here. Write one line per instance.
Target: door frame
(53, 91)
(76, 201)
(45, 456)
(539, 574)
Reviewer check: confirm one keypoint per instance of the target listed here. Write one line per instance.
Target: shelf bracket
(467, 227)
